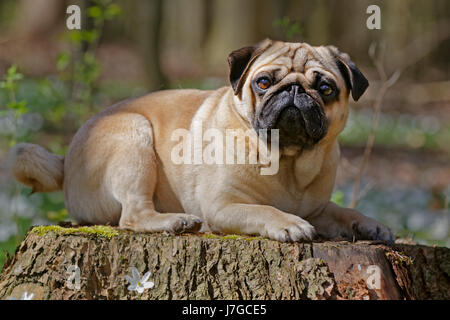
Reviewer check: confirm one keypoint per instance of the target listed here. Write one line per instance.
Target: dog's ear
(354, 79)
(240, 61)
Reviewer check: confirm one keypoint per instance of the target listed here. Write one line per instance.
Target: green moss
(231, 237)
(102, 231)
(210, 236)
(254, 238)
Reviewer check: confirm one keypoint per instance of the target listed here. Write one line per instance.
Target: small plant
(14, 109)
(80, 67)
(290, 28)
(338, 198)
(13, 106)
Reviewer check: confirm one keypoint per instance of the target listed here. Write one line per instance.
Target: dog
(119, 168)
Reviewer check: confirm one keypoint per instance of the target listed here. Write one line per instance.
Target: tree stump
(93, 262)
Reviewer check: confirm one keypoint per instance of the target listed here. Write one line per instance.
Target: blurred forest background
(53, 79)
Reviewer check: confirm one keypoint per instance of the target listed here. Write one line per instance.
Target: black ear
(238, 61)
(356, 82)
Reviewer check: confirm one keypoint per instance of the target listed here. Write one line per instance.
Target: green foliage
(290, 28)
(338, 198)
(8, 246)
(57, 216)
(11, 78)
(17, 108)
(103, 11)
(79, 67)
(420, 131)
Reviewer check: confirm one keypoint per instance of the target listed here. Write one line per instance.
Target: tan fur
(36, 168)
(118, 169)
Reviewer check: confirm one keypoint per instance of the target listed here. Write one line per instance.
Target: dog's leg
(133, 174)
(261, 220)
(337, 222)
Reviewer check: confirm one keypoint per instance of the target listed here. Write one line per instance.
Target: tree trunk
(143, 21)
(206, 266)
(233, 25)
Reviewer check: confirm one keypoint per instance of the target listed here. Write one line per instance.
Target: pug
(119, 168)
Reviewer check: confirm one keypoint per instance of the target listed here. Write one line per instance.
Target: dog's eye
(264, 83)
(326, 89)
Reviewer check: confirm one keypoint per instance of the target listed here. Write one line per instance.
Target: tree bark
(205, 266)
(143, 20)
(233, 25)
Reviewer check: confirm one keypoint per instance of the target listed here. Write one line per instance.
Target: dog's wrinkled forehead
(296, 58)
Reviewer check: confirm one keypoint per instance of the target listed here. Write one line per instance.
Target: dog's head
(294, 87)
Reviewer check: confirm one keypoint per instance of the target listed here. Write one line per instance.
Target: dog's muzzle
(300, 119)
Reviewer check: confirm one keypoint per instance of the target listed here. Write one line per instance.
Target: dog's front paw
(148, 221)
(369, 229)
(185, 223)
(290, 228)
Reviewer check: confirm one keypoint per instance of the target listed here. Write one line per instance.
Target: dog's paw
(290, 228)
(369, 229)
(185, 223)
(166, 222)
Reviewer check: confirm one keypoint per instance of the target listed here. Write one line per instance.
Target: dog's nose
(295, 89)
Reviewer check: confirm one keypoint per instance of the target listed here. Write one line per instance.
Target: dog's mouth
(300, 119)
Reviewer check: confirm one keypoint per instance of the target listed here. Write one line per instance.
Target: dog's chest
(301, 171)
(303, 183)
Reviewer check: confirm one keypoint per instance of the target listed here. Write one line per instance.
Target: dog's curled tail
(37, 168)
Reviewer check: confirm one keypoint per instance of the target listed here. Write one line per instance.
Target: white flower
(25, 296)
(137, 283)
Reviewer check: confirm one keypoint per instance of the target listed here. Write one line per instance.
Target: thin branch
(416, 51)
(385, 85)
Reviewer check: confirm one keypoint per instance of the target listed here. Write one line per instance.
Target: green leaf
(290, 28)
(95, 12)
(75, 36)
(90, 36)
(12, 142)
(112, 11)
(294, 30)
(63, 61)
(12, 74)
(19, 107)
(12, 70)
(57, 216)
(338, 198)
(282, 22)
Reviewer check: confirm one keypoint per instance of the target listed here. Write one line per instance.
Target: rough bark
(231, 267)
